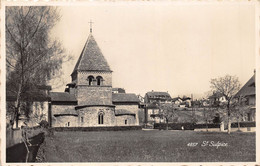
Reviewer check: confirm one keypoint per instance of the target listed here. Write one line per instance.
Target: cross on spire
(90, 23)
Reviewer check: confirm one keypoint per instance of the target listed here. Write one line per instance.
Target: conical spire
(91, 58)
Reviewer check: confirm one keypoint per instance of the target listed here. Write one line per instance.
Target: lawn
(148, 146)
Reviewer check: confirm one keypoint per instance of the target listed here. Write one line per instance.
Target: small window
(68, 124)
(101, 118)
(90, 80)
(99, 80)
(125, 121)
(82, 119)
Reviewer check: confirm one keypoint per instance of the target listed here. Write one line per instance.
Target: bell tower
(92, 76)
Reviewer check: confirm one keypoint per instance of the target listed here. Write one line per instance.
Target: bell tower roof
(91, 58)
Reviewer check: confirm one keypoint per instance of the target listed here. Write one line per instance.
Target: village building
(88, 100)
(248, 92)
(152, 100)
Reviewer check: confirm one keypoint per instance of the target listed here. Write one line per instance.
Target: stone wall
(124, 120)
(57, 109)
(133, 108)
(83, 76)
(88, 116)
(94, 95)
(65, 121)
(62, 121)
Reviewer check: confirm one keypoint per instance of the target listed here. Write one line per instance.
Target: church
(88, 100)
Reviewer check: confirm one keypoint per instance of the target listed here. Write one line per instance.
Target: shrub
(243, 124)
(174, 126)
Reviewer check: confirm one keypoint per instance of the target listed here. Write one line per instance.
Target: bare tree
(167, 112)
(227, 86)
(32, 57)
(238, 109)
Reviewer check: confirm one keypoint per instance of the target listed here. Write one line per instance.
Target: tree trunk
(17, 106)
(229, 123)
(238, 124)
(166, 124)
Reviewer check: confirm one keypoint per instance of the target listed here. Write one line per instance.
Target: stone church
(88, 100)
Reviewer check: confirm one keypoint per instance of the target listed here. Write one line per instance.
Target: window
(101, 118)
(99, 80)
(90, 80)
(82, 119)
(125, 121)
(68, 124)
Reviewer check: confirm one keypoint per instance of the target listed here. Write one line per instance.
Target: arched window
(90, 80)
(100, 118)
(99, 80)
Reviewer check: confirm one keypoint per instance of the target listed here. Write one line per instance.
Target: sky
(163, 46)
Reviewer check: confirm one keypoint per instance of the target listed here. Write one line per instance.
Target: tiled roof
(62, 96)
(91, 58)
(152, 106)
(65, 112)
(155, 94)
(176, 98)
(248, 89)
(123, 112)
(125, 97)
(28, 96)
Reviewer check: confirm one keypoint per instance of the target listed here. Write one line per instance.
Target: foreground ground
(148, 146)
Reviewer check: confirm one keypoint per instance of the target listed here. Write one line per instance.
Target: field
(148, 146)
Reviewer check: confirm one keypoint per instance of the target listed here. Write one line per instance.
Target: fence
(105, 128)
(14, 136)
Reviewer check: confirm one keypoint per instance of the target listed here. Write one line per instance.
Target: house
(152, 100)
(177, 101)
(89, 101)
(118, 90)
(36, 101)
(248, 91)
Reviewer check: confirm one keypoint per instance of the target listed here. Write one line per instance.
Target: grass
(148, 146)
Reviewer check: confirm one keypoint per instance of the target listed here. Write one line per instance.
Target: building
(35, 101)
(88, 100)
(152, 100)
(248, 92)
(118, 90)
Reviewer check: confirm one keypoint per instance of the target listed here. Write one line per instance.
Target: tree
(168, 112)
(227, 86)
(32, 57)
(239, 108)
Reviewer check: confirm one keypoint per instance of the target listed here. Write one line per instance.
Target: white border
(128, 2)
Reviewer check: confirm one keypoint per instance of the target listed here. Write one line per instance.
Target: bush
(174, 126)
(243, 124)
(112, 128)
(209, 125)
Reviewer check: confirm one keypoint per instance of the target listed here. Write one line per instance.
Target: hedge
(105, 128)
(209, 125)
(174, 126)
(243, 124)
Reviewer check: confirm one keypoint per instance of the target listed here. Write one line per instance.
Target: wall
(61, 121)
(133, 108)
(251, 100)
(83, 76)
(90, 116)
(65, 121)
(120, 120)
(14, 136)
(94, 95)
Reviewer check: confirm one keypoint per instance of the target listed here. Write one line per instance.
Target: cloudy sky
(163, 46)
